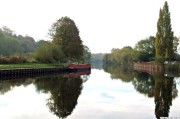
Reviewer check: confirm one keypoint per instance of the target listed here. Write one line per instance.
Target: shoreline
(21, 72)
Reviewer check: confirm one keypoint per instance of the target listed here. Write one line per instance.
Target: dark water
(115, 93)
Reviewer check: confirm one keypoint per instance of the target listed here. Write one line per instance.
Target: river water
(109, 94)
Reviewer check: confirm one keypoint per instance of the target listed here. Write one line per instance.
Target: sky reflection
(103, 98)
(24, 103)
(100, 98)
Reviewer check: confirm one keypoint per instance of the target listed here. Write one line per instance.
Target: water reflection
(8, 85)
(101, 97)
(97, 65)
(160, 87)
(63, 90)
(165, 90)
(64, 93)
(123, 73)
(144, 83)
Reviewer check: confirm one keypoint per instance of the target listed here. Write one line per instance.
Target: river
(109, 94)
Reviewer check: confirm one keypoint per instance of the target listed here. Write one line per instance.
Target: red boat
(80, 66)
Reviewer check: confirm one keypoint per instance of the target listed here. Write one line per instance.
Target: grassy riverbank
(31, 65)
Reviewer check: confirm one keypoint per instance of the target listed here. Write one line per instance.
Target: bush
(17, 59)
(12, 59)
(49, 53)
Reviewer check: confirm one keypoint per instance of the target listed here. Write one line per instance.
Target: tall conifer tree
(168, 33)
(164, 35)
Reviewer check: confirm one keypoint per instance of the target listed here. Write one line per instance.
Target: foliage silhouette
(64, 93)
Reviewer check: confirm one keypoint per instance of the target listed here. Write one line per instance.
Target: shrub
(12, 59)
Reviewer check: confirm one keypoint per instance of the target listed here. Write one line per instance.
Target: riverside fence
(149, 67)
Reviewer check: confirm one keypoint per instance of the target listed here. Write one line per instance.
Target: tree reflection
(123, 73)
(64, 93)
(165, 90)
(161, 87)
(7, 85)
(144, 83)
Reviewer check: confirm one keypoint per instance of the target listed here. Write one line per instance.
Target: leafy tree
(145, 49)
(126, 55)
(12, 44)
(164, 35)
(146, 45)
(119, 56)
(41, 43)
(7, 30)
(49, 53)
(66, 34)
(27, 43)
(9, 44)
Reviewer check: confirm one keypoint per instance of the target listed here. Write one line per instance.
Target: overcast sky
(103, 24)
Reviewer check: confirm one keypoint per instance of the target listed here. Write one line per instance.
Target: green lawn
(30, 65)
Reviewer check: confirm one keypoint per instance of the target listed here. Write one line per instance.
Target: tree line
(11, 44)
(66, 45)
(159, 48)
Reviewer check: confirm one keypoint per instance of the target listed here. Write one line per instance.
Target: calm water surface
(101, 95)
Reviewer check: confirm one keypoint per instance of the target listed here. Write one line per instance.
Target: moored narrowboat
(80, 67)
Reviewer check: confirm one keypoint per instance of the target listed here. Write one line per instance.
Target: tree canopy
(123, 56)
(65, 33)
(145, 49)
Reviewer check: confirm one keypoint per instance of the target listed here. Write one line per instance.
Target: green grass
(31, 65)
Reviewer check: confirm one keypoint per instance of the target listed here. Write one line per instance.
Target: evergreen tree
(164, 35)
(168, 34)
(66, 34)
(159, 43)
